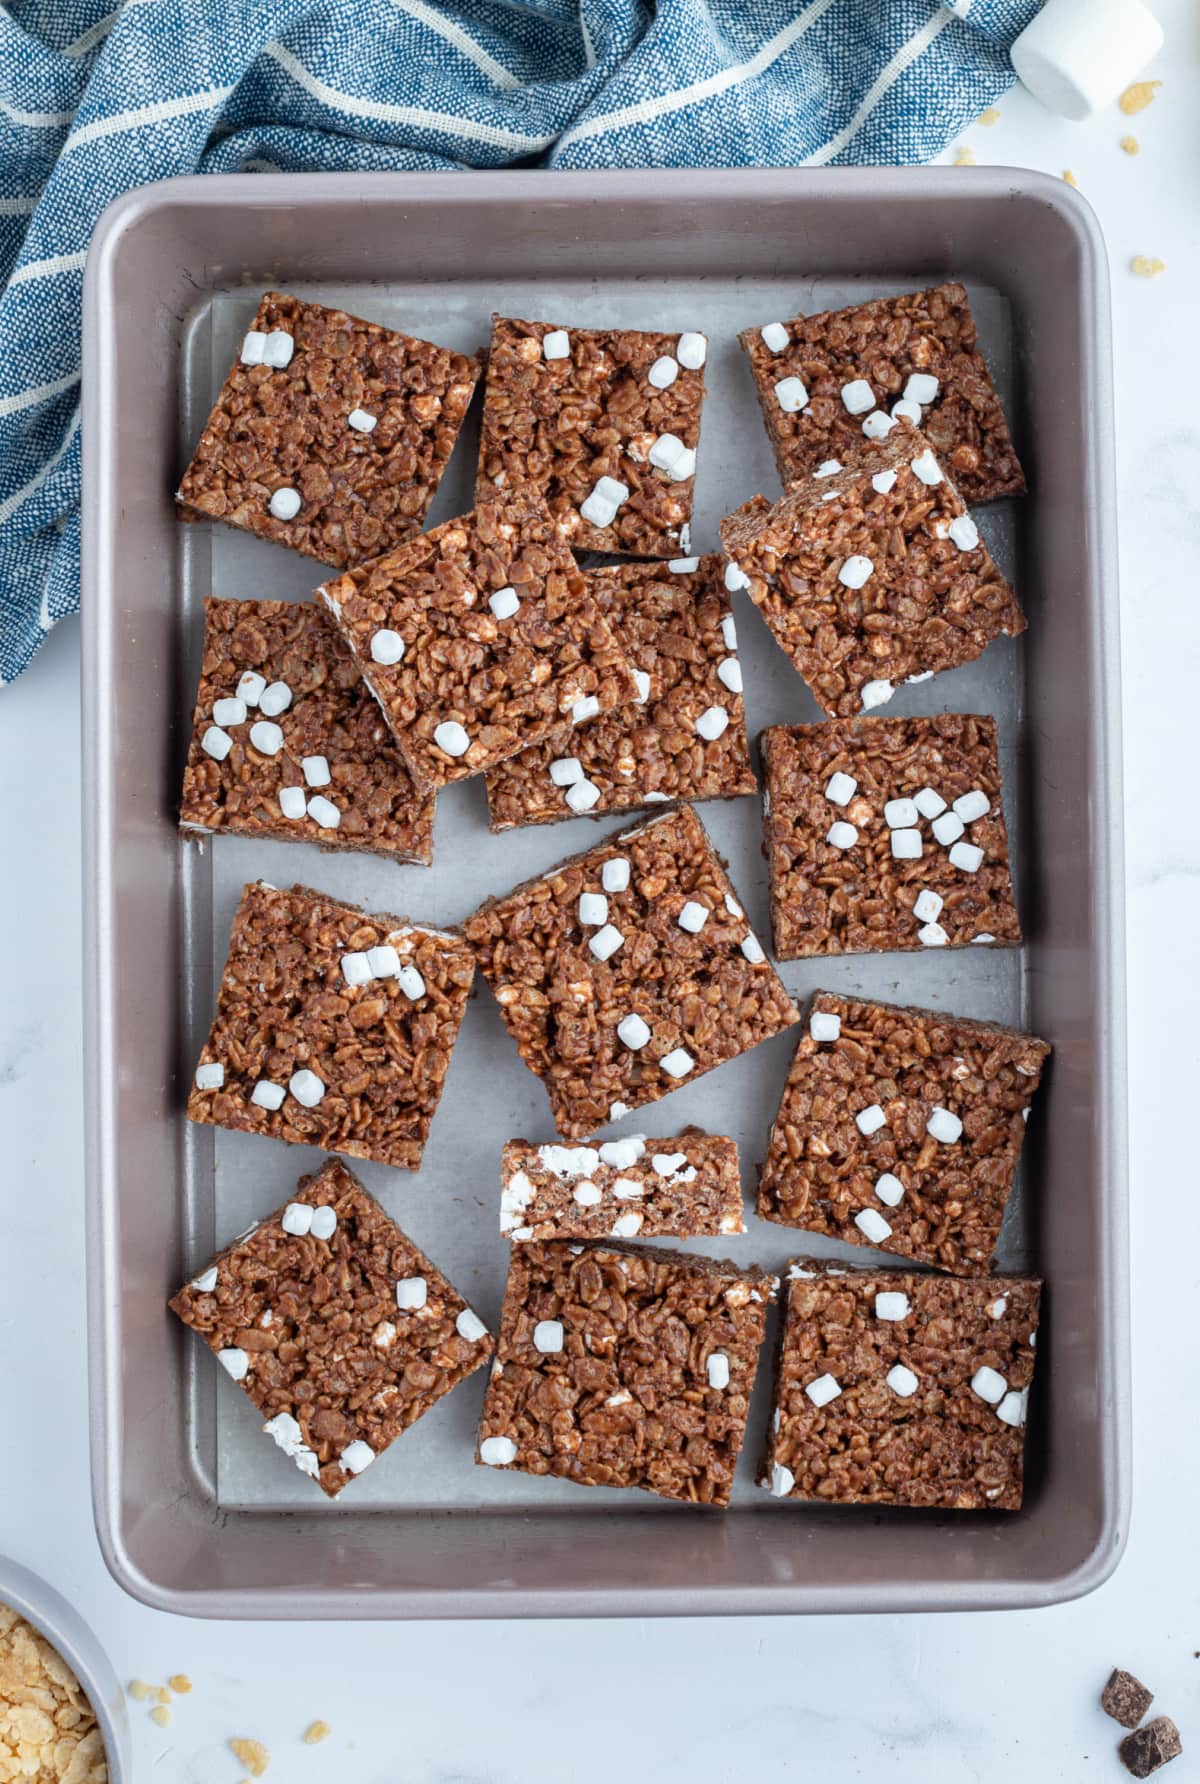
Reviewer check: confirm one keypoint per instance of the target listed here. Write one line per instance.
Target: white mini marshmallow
(922, 387)
(411, 983)
(504, 603)
(729, 672)
(623, 1154)
(857, 396)
(384, 962)
(605, 942)
(900, 814)
(932, 935)
(586, 1194)
(824, 1389)
(824, 1025)
(235, 1362)
(356, 1456)
(229, 712)
(792, 395)
(828, 468)
(668, 1164)
(774, 336)
(891, 1304)
(928, 907)
(387, 647)
(412, 1292)
(266, 737)
(927, 468)
(878, 425)
(712, 723)
(278, 349)
(998, 1308)
(626, 1226)
(872, 1225)
(206, 1282)
(210, 1077)
(683, 566)
(732, 905)
(840, 788)
(266, 1095)
(1012, 1408)
(548, 1337)
(868, 1121)
(643, 686)
(252, 347)
(856, 571)
(841, 835)
(889, 1189)
(324, 812)
(782, 1480)
(663, 372)
(907, 845)
(285, 504)
(944, 1125)
(451, 739)
(593, 909)
(989, 1385)
(929, 803)
(601, 506)
(633, 1032)
(216, 743)
(972, 805)
(902, 1381)
(585, 709)
(906, 411)
(316, 770)
(306, 1087)
(297, 1219)
(275, 699)
(948, 828)
(693, 917)
(582, 795)
(678, 1063)
(362, 421)
(666, 452)
(614, 875)
(556, 344)
(468, 1325)
(251, 687)
(691, 350)
(876, 693)
(324, 1222)
(717, 1369)
(966, 857)
(566, 771)
(963, 532)
(752, 949)
(735, 579)
(497, 1452)
(883, 481)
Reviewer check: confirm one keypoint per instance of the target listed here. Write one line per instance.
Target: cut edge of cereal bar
(686, 1186)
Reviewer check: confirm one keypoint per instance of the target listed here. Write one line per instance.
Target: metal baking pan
(194, 1511)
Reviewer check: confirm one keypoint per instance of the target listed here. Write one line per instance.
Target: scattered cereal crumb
(316, 1732)
(1069, 177)
(140, 1691)
(1137, 97)
(161, 1694)
(964, 156)
(180, 1683)
(989, 117)
(1130, 144)
(253, 1755)
(1146, 266)
(161, 1714)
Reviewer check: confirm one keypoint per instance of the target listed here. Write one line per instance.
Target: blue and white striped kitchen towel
(95, 99)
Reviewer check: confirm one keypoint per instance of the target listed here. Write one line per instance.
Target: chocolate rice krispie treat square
(602, 424)
(684, 738)
(287, 741)
(333, 1028)
(825, 382)
(897, 1389)
(686, 1187)
(330, 434)
(623, 1366)
(628, 970)
(902, 1129)
(333, 1323)
(478, 639)
(871, 573)
(886, 834)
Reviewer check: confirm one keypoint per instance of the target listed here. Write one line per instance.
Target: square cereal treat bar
(288, 743)
(340, 1331)
(479, 638)
(626, 970)
(886, 834)
(824, 382)
(602, 424)
(330, 434)
(871, 574)
(901, 1128)
(687, 1186)
(619, 1366)
(686, 736)
(902, 1390)
(333, 1028)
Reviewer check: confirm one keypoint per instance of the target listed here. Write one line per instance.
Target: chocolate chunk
(1125, 1698)
(1146, 1749)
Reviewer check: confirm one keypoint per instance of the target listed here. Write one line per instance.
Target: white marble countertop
(982, 1697)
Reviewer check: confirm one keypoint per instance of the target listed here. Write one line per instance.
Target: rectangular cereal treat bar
(338, 1329)
(871, 574)
(624, 1366)
(602, 424)
(686, 736)
(330, 434)
(897, 1389)
(886, 834)
(628, 970)
(901, 1128)
(688, 1186)
(288, 743)
(333, 1028)
(825, 382)
(478, 639)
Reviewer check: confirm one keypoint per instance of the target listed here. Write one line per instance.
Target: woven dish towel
(96, 99)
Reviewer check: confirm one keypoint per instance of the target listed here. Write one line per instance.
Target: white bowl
(63, 1627)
